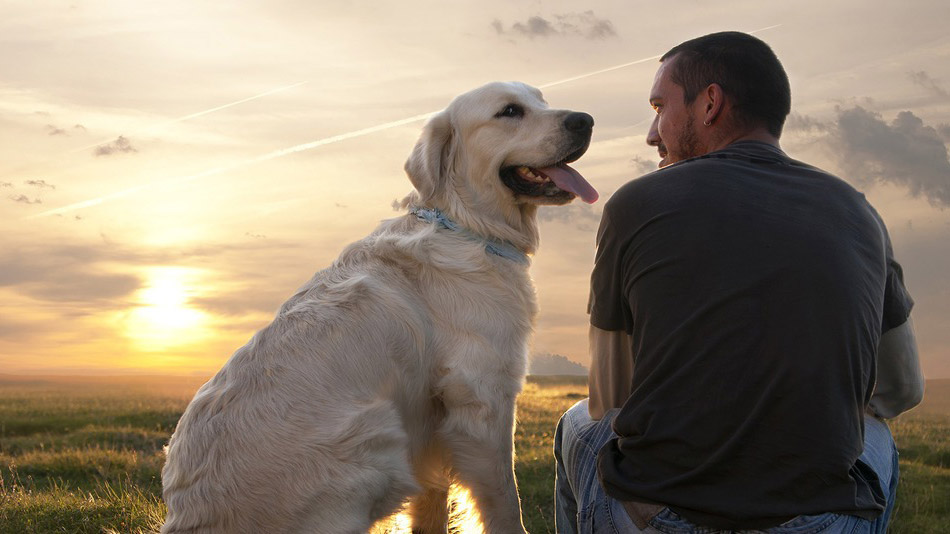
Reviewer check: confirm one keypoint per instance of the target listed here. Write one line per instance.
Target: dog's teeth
(530, 176)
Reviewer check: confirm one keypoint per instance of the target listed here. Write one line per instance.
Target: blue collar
(494, 246)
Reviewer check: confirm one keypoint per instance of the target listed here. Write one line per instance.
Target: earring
(707, 123)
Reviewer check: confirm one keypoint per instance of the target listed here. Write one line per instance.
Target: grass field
(84, 455)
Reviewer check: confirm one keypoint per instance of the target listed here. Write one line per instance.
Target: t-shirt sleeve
(897, 300)
(607, 305)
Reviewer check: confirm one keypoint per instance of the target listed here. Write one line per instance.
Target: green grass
(84, 455)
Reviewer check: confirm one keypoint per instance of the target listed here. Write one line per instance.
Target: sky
(171, 172)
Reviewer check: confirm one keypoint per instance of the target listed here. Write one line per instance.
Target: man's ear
(433, 158)
(715, 101)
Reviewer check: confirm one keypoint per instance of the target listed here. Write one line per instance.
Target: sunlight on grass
(463, 517)
(85, 456)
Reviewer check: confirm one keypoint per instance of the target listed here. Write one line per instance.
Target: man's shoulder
(664, 182)
(728, 168)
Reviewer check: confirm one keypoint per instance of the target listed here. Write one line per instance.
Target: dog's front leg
(478, 431)
(430, 511)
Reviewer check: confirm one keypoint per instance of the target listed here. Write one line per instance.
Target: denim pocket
(806, 524)
(669, 522)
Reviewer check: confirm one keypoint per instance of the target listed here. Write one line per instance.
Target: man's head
(716, 89)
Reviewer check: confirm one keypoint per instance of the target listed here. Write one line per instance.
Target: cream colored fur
(392, 372)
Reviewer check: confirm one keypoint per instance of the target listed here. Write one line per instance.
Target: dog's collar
(494, 246)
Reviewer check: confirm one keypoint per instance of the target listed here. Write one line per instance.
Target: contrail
(306, 146)
(218, 170)
(193, 115)
(596, 72)
(166, 123)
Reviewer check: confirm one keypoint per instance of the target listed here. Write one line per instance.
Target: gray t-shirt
(754, 290)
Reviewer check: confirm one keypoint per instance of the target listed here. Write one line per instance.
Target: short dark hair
(746, 69)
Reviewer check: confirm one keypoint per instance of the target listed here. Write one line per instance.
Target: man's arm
(900, 381)
(611, 370)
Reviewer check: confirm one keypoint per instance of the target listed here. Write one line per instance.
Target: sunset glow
(170, 173)
(164, 319)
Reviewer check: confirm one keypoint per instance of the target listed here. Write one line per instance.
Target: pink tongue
(570, 180)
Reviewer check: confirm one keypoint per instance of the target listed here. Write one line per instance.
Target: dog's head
(499, 151)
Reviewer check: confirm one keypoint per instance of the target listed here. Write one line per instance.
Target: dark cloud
(924, 80)
(905, 152)
(53, 130)
(534, 27)
(23, 199)
(804, 123)
(121, 144)
(585, 24)
(40, 183)
(868, 149)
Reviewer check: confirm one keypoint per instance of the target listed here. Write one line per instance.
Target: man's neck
(756, 134)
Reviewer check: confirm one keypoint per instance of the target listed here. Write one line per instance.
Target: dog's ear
(433, 158)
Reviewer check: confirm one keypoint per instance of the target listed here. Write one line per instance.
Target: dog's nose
(577, 122)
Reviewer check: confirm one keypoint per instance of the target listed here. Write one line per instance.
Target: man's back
(753, 289)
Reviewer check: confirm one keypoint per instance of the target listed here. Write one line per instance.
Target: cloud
(105, 275)
(79, 127)
(924, 80)
(64, 273)
(643, 165)
(6, 184)
(39, 183)
(585, 217)
(944, 131)
(15, 330)
(905, 152)
(121, 144)
(534, 27)
(584, 24)
(255, 236)
(25, 199)
(53, 130)
(804, 123)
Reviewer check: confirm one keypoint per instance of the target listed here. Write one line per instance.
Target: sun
(163, 317)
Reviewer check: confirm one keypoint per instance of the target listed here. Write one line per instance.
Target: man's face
(673, 131)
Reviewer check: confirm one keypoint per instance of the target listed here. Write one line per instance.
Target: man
(743, 306)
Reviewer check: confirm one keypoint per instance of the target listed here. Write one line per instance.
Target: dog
(393, 372)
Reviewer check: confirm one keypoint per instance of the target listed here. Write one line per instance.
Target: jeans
(581, 506)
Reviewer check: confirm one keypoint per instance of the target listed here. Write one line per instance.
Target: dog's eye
(511, 110)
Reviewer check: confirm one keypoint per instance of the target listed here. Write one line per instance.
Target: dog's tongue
(570, 180)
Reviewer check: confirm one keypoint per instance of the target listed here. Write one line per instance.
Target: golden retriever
(394, 371)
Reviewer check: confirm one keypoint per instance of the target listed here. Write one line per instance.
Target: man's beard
(688, 146)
